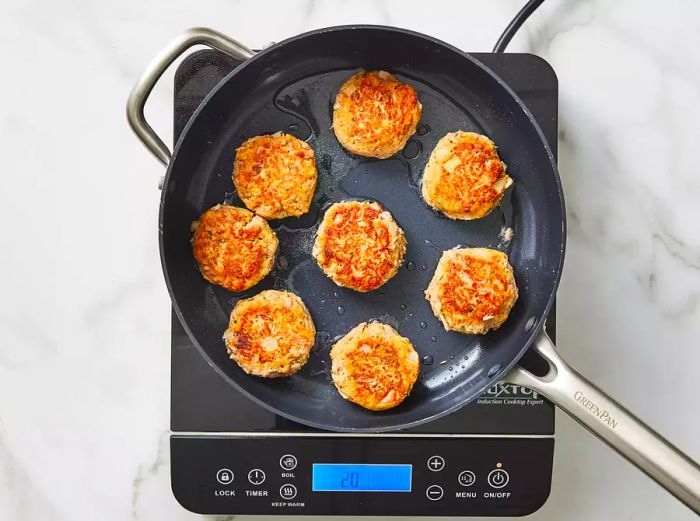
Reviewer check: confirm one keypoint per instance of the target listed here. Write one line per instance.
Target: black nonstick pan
(290, 87)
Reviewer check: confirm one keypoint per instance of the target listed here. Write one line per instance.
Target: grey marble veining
(84, 314)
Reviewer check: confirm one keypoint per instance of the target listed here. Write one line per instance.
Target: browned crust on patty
(473, 290)
(359, 245)
(374, 367)
(270, 334)
(464, 177)
(375, 114)
(233, 247)
(275, 175)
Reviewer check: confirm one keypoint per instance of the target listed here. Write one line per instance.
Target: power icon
(498, 478)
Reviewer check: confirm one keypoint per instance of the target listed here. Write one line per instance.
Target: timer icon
(256, 477)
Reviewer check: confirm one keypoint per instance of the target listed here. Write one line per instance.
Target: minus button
(434, 492)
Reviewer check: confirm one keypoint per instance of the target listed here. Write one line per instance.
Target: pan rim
(476, 390)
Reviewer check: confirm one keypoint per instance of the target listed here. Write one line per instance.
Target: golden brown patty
(374, 367)
(233, 247)
(275, 175)
(270, 334)
(473, 289)
(464, 177)
(374, 114)
(359, 245)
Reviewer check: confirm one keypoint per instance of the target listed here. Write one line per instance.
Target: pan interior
(299, 101)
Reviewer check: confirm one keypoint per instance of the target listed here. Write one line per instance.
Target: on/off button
(498, 478)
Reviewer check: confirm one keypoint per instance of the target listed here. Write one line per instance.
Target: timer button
(224, 476)
(288, 491)
(434, 492)
(498, 478)
(436, 463)
(288, 462)
(256, 477)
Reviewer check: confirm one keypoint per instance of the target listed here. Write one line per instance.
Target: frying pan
(290, 86)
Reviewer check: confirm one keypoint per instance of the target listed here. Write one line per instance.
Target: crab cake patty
(233, 247)
(473, 290)
(270, 334)
(359, 245)
(464, 177)
(375, 114)
(275, 175)
(374, 367)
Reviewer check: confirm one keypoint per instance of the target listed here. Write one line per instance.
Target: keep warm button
(498, 478)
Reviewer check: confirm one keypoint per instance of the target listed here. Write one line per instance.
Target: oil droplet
(294, 126)
(530, 323)
(341, 310)
(494, 370)
(451, 368)
(423, 325)
(403, 306)
(423, 130)
(423, 267)
(427, 360)
(219, 175)
(336, 294)
(452, 357)
(412, 149)
(410, 265)
(211, 296)
(433, 338)
(432, 245)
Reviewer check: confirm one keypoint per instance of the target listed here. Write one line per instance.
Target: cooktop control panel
(361, 475)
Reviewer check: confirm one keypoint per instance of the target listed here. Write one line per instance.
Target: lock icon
(224, 476)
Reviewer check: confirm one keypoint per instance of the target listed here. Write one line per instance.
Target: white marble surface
(84, 313)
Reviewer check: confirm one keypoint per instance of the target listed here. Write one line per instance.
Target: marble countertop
(84, 314)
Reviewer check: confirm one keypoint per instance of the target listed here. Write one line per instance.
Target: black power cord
(515, 24)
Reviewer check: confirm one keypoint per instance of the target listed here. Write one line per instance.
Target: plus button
(436, 463)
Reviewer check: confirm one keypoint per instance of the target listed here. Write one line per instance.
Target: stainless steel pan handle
(613, 424)
(143, 88)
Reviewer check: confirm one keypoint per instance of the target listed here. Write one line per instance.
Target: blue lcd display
(341, 477)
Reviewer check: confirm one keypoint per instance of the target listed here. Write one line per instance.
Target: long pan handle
(148, 80)
(613, 424)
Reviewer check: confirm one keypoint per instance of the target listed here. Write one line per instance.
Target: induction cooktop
(231, 456)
